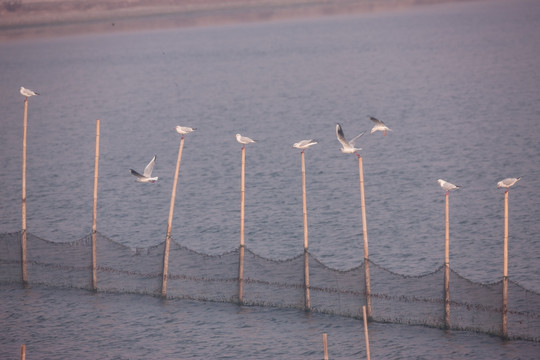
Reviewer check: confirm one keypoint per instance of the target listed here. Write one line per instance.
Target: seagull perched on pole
(182, 130)
(147, 174)
(244, 140)
(27, 92)
(347, 147)
(446, 186)
(379, 126)
(506, 183)
(304, 144)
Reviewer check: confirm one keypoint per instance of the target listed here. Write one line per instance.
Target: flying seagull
(182, 130)
(506, 183)
(379, 126)
(304, 144)
(244, 140)
(28, 92)
(147, 175)
(347, 147)
(446, 186)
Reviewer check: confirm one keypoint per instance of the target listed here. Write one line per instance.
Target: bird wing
(150, 167)
(305, 143)
(375, 120)
(356, 138)
(136, 174)
(341, 137)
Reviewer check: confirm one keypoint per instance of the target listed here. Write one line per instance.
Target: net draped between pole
(395, 298)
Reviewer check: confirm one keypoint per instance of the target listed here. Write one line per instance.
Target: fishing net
(395, 298)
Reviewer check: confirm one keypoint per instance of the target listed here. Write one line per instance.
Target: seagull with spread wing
(379, 126)
(347, 147)
(146, 177)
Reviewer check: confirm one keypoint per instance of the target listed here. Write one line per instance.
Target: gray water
(458, 84)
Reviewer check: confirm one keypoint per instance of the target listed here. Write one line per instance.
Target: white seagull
(304, 144)
(347, 147)
(446, 186)
(506, 183)
(379, 126)
(147, 174)
(182, 130)
(244, 140)
(28, 92)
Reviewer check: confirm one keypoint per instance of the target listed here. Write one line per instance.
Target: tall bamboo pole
(504, 330)
(242, 195)
(325, 346)
(364, 231)
(447, 264)
(304, 202)
(242, 205)
(169, 222)
(23, 205)
(307, 300)
(366, 332)
(94, 211)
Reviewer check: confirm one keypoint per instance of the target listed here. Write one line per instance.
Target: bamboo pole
(307, 300)
(94, 211)
(242, 195)
(23, 205)
(325, 346)
(366, 332)
(364, 231)
(504, 330)
(23, 352)
(169, 222)
(304, 202)
(242, 245)
(447, 264)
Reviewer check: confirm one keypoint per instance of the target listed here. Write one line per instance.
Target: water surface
(457, 83)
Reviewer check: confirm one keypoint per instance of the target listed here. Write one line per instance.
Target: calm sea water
(459, 85)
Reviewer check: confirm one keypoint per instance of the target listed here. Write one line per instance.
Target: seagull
(379, 126)
(447, 186)
(347, 147)
(244, 140)
(182, 130)
(147, 175)
(28, 92)
(506, 183)
(304, 144)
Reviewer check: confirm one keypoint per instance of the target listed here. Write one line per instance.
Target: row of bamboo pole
(367, 309)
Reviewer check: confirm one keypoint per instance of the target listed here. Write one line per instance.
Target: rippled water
(109, 326)
(457, 83)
